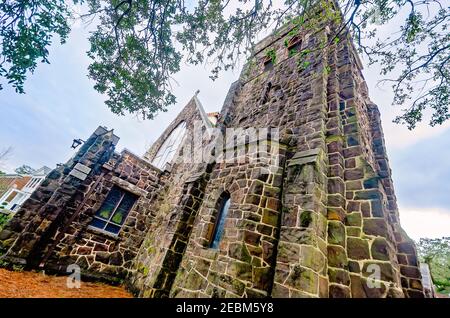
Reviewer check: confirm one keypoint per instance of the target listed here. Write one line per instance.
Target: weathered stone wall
(243, 265)
(160, 255)
(320, 221)
(25, 235)
(101, 254)
(337, 223)
(371, 217)
(52, 228)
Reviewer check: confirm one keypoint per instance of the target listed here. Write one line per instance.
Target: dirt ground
(37, 285)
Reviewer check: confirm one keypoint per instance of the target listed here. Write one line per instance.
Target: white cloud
(425, 222)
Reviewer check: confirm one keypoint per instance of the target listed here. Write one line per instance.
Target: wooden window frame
(295, 41)
(113, 211)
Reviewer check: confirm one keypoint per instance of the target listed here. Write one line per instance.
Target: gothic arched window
(170, 146)
(220, 221)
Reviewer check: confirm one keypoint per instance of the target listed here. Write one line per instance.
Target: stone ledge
(194, 177)
(305, 157)
(98, 231)
(128, 186)
(141, 159)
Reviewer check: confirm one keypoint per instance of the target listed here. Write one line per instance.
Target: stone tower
(320, 221)
(323, 222)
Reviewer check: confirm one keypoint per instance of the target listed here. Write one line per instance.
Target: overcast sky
(60, 105)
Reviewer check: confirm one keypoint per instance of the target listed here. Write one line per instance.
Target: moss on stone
(339, 138)
(312, 258)
(336, 233)
(240, 252)
(357, 248)
(337, 256)
(380, 249)
(338, 276)
(353, 219)
(306, 218)
(303, 279)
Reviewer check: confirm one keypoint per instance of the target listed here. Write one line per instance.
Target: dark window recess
(114, 210)
(266, 93)
(268, 63)
(294, 45)
(220, 222)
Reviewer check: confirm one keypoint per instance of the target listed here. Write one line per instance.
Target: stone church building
(320, 221)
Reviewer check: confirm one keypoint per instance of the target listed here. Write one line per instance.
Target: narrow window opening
(170, 146)
(294, 45)
(268, 65)
(220, 221)
(266, 93)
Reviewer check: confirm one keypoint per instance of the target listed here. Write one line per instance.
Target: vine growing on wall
(271, 55)
(4, 218)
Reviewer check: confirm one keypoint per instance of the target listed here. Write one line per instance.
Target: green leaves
(134, 57)
(271, 55)
(138, 45)
(26, 31)
(414, 58)
(4, 218)
(436, 253)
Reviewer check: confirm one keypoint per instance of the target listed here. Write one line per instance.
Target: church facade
(308, 210)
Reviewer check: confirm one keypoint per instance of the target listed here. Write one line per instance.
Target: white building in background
(18, 188)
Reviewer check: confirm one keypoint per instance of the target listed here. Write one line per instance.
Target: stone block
(357, 248)
(353, 219)
(240, 270)
(311, 257)
(240, 252)
(262, 277)
(410, 271)
(336, 233)
(194, 281)
(280, 291)
(339, 291)
(361, 289)
(337, 256)
(380, 249)
(338, 276)
(368, 195)
(406, 248)
(384, 270)
(270, 217)
(288, 253)
(375, 227)
(303, 279)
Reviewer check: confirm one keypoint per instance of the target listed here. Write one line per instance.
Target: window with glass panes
(114, 210)
(170, 146)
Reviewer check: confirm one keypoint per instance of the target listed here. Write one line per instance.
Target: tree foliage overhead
(138, 45)
(24, 169)
(26, 32)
